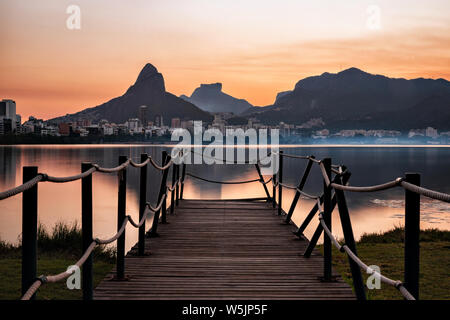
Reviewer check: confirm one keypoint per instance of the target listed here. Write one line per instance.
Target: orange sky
(255, 48)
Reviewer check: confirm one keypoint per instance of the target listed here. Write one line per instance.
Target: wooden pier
(223, 250)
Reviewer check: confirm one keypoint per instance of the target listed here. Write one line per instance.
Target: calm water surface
(372, 212)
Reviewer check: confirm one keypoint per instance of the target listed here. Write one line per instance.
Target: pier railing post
(86, 230)
(274, 181)
(121, 207)
(183, 175)
(142, 204)
(412, 232)
(327, 219)
(347, 229)
(29, 230)
(280, 180)
(164, 184)
(172, 193)
(177, 188)
(162, 191)
(258, 170)
(299, 187)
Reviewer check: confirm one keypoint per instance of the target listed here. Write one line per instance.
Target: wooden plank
(223, 250)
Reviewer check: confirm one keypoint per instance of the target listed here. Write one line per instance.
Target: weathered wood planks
(223, 250)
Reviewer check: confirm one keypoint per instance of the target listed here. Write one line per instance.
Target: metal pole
(29, 230)
(297, 193)
(280, 180)
(350, 242)
(86, 230)
(142, 204)
(121, 207)
(327, 219)
(412, 231)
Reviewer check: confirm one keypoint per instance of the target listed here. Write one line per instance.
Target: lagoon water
(372, 212)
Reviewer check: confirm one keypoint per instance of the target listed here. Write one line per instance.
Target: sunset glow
(255, 48)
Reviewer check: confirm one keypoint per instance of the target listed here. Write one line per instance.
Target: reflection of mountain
(209, 97)
(149, 90)
(353, 98)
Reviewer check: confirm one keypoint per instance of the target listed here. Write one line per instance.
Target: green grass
(56, 251)
(386, 250)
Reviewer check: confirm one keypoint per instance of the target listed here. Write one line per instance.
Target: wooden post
(327, 219)
(412, 232)
(121, 207)
(274, 188)
(258, 169)
(172, 193)
(280, 180)
(177, 188)
(297, 193)
(183, 175)
(29, 230)
(86, 230)
(162, 191)
(347, 229)
(142, 204)
(313, 211)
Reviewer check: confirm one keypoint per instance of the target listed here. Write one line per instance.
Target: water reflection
(372, 212)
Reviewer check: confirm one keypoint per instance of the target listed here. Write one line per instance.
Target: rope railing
(222, 182)
(224, 160)
(344, 248)
(97, 241)
(327, 200)
(87, 170)
(43, 177)
(412, 209)
(380, 187)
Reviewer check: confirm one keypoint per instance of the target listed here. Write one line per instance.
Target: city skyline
(50, 70)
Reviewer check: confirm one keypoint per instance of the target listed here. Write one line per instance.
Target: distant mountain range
(148, 90)
(350, 99)
(355, 99)
(209, 97)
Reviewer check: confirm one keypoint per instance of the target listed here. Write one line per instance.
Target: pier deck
(223, 250)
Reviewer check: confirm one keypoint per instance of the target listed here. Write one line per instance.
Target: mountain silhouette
(209, 97)
(357, 99)
(148, 90)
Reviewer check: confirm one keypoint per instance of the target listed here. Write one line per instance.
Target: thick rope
(139, 165)
(234, 162)
(71, 178)
(63, 275)
(221, 182)
(384, 186)
(23, 187)
(426, 192)
(111, 170)
(161, 168)
(344, 248)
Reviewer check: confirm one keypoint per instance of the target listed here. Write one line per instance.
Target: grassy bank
(386, 250)
(57, 249)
